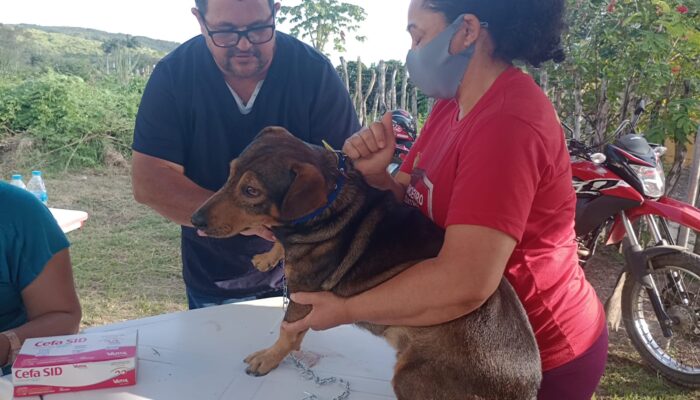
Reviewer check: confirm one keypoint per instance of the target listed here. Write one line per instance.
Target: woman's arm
(52, 304)
(459, 280)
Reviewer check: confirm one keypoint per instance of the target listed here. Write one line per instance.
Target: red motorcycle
(406, 133)
(620, 197)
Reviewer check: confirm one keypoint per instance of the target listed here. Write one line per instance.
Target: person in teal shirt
(37, 292)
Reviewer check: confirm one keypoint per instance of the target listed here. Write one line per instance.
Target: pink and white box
(64, 364)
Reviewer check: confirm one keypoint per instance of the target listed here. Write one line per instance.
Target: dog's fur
(364, 238)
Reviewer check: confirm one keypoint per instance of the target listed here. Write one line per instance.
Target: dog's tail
(613, 306)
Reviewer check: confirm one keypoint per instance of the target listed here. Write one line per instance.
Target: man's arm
(163, 186)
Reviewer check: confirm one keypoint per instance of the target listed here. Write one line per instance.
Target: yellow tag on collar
(330, 148)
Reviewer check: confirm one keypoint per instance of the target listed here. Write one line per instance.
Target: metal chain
(308, 374)
(285, 295)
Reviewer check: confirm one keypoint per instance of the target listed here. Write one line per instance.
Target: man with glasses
(202, 106)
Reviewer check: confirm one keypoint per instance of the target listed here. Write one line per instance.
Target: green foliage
(72, 93)
(621, 51)
(158, 46)
(68, 119)
(91, 56)
(321, 21)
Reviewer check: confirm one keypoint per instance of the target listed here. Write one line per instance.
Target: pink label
(28, 361)
(126, 379)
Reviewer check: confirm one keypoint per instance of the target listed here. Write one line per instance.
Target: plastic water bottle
(36, 187)
(17, 181)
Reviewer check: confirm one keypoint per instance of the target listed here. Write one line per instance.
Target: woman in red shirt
(492, 168)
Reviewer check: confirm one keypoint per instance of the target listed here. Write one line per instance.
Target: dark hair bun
(526, 30)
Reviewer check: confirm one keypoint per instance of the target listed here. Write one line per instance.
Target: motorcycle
(620, 197)
(405, 131)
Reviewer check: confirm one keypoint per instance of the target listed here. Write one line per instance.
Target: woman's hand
(328, 312)
(371, 150)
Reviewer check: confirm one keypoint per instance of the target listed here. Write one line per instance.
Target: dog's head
(277, 179)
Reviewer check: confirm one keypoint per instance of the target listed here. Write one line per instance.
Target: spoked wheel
(677, 278)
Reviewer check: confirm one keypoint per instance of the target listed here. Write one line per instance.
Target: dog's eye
(251, 191)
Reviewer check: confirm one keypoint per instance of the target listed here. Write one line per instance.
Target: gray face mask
(435, 71)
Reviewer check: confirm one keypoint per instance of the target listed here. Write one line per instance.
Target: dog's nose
(199, 220)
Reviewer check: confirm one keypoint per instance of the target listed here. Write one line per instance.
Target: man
(202, 106)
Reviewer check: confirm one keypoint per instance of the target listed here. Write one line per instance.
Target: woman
(37, 294)
(491, 167)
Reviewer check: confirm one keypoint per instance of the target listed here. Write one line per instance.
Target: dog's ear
(306, 193)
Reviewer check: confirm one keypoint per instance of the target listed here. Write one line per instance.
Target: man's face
(245, 60)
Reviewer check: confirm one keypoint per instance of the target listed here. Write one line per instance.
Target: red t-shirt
(505, 166)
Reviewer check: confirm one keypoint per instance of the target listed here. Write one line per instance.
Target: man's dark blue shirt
(189, 116)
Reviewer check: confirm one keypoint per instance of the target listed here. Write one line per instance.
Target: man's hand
(328, 312)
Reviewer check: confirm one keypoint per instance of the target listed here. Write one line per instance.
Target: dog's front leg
(265, 261)
(262, 362)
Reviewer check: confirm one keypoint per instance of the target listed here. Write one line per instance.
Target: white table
(69, 220)
(199, 355)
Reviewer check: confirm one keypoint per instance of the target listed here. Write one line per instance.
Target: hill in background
(87, 53)
(161, 46)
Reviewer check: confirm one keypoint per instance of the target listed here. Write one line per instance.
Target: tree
(321, 21)
(622, 51)
(11, 56)
(122, 56)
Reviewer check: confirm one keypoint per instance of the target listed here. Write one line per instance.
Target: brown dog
(343, 236)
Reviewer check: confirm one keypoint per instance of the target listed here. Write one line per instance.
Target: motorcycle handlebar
(578, 148)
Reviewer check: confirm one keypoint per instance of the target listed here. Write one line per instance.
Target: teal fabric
(29, 237)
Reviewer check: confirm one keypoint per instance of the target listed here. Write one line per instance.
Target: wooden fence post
(404, 90)
(346, 76)
(693, 181)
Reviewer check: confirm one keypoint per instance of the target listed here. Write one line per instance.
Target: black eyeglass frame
(241, 33)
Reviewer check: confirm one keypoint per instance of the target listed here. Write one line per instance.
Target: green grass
(126, 259)
(627, 378)
(127, 265)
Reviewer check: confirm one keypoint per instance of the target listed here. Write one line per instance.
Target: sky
(385, 26)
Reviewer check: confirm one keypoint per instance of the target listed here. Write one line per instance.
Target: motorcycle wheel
(677, 358)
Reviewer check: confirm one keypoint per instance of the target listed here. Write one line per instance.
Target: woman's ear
(467, 34)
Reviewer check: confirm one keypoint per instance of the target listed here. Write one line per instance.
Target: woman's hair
(527, 30)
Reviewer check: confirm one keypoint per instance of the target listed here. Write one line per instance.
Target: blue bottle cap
(16, 177)
(36, 173)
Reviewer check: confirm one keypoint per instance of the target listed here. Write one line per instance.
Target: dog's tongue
(201, 233)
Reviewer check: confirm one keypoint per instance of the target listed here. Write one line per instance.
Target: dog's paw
(262, 362)
(266, 261)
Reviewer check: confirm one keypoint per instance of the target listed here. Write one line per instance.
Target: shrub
(70, 121)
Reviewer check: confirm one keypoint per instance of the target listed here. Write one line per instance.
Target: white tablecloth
(198, 355)
(69, 220)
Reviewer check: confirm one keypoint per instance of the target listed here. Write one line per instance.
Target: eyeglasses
(231, 37)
